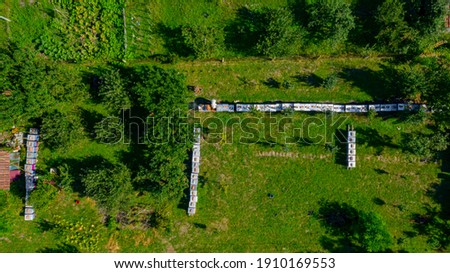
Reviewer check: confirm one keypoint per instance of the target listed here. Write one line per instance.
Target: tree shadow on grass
(17, 187)
(340, 141)
(339, 219)
(310, 79)
(434, 222)
(243, 33)
(337, 244)
(173, 39)
(367, 80)
(60, 248)
(372, 138)
(89, 119)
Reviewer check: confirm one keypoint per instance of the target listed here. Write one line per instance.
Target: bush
(279, 35)
(394, 34)
(43, 196)
(36, 85)
(109, 186)
(204, 41)
(362, 230)
(331, 81)
(408, 81)
(330, 21)
(61, 128)
(113, 91)
(109, 131)
(425, 145)
(373, 234)
(266, 31)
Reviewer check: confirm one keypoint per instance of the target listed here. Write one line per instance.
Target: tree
(426, 145)
(162, 94)
(408, 81)
(61, 128)
(279, 35)
(113, 91)
(394, 34)
(372, 234)
(33, 86)
(330, 20)
(426, 16)
(362, 231)
(110, 186)
(266, 31)
(204, 41)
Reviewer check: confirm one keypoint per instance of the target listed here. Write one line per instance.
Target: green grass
(238, 216)
(245, 79)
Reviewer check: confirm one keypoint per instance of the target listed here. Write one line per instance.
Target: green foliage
(394, 34)
(65, 179)
(30, 22)
(278, 35)
(437, 231)
(35, 85)
(416, 117)
(331, 81)
(204, 41)
(109, 130)
(409, 81)
(163, 93)
(330, 20)
(110, 186)
(371, 114)
(426, 16)
(84, 236)
(5, 225)
(61, 128)
(266, 31)
(425, 145)
(364, 231)
(43, 196)
(85, 30)
(113, 91)
(373, 234)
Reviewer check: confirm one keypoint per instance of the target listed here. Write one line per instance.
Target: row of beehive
(313, 107)
(30, 170)
(193, 197)
(351, 149)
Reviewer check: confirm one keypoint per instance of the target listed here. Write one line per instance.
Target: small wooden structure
(4, 171)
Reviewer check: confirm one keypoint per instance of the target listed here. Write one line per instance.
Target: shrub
(330, 82)
(61, 128)
(279, 35)
(113, 91)
(204, 41)
(425, 145)
(409, 81)
(43, 196)
(330, 20)
(109, 186)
